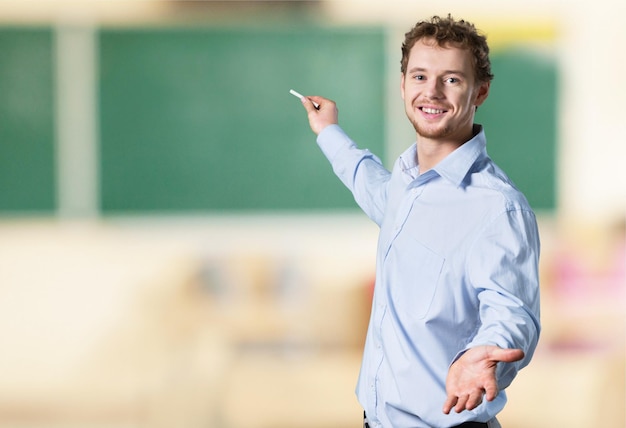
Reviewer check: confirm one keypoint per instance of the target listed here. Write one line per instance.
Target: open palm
(473, 376)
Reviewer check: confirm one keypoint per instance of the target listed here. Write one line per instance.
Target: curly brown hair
(448, 31)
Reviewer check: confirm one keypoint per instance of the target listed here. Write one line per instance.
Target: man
(455, 313)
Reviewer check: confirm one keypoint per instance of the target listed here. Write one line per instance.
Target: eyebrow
(415, 69)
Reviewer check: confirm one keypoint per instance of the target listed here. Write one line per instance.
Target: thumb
(309, 104)
(506, 355)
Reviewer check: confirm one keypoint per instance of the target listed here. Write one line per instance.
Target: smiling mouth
(432, 110)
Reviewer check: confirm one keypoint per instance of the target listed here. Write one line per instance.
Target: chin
(433, 133)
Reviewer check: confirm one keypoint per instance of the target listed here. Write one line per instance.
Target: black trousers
(463, 425)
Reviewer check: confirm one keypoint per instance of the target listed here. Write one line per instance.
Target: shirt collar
(453, 167)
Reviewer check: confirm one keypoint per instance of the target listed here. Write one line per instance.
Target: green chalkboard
(27, 165)
(520, 118)
(198, 119)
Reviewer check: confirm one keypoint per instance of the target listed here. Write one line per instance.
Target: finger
(449, 404)
(491, 391)
(474, 400)
(507, 355)
(317, 101)
(308, 105)
(461, 403)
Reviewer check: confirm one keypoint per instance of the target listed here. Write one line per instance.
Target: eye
(452, 80)
(419, 77)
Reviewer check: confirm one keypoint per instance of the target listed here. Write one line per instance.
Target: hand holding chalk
(299, 95)
(321, 111)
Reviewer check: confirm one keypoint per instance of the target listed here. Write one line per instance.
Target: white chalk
(299, 95)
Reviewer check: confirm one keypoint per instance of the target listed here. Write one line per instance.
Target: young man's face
(440, 93)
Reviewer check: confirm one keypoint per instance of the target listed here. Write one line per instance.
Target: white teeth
(431, 110)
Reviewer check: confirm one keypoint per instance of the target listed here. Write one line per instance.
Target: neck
(431, 151)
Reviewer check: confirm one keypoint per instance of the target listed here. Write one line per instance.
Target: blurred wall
(196, 312)
(590, 182)
(588, 40)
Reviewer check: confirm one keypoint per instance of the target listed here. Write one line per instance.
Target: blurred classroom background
(175, 251)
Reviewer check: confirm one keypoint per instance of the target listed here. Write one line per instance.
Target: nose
(433, 89)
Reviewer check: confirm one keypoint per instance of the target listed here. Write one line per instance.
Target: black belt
(471, 425)
(463, 425)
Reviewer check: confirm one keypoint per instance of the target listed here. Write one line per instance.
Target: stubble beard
(430, 132)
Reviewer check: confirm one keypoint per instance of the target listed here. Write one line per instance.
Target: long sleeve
(360, 171)
(503, 267)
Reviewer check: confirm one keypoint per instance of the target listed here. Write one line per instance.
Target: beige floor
(237, 324)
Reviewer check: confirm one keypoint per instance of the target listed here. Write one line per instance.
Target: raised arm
(360, 170)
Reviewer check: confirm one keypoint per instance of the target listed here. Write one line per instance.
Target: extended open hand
(473, 376)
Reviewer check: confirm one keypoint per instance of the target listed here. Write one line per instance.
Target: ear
(402, 85)
(482, 93)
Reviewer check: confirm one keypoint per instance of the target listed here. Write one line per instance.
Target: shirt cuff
(332, 140)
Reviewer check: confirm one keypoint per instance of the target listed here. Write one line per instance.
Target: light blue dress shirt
(457, 267)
